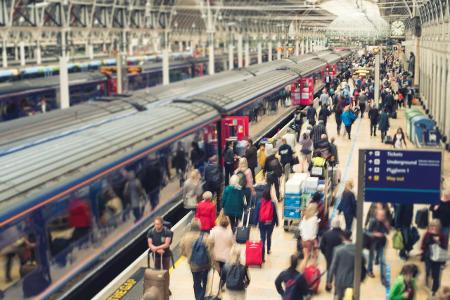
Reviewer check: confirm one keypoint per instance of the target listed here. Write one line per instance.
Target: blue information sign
(402, 176)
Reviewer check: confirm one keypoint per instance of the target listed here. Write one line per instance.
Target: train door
(306, 87)
(234, 128)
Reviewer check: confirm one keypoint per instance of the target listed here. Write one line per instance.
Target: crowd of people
(223, 202)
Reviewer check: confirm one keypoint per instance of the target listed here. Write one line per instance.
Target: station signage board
(402, 176)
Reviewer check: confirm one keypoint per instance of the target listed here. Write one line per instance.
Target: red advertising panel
(235, 128)
(306, 90)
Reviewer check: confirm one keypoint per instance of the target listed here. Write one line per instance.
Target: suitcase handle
(248, 218)
(149, 255)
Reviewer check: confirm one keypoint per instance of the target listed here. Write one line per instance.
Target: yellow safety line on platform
(177, 263)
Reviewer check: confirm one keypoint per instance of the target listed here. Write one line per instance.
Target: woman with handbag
(236, 276)
(432, 243)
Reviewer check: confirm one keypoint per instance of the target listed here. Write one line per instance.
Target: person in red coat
(206, 212)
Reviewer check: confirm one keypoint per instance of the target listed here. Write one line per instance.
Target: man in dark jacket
(252, 157)
(285, 152)
(213, 178)
(295, 285)
(383, 124)
(374, 116)
(317, 131)
(311, 115)
(330, 240)
(273, 171)
(402, 221)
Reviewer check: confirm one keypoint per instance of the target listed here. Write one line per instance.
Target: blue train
(65, 204)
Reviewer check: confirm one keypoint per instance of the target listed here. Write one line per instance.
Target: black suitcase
(422, 218)
(243, 232)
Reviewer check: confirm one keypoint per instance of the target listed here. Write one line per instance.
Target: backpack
(213, 176)
(275, 167)
(266, 211)
(422, 218)
(236, 278)
(397, 240)
(242, 179)
(200, 256)
(290, 287)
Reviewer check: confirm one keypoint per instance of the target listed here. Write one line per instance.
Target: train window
(17, 254)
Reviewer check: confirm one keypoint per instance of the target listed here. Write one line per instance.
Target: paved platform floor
(262, 280)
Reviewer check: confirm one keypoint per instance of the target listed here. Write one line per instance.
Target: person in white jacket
(309, 227)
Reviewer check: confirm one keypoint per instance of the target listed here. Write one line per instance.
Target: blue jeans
(137, 213)
(380, 253)
(265, 231)
(348, 222)
(200, 281)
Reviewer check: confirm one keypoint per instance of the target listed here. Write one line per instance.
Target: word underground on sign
(402, 176)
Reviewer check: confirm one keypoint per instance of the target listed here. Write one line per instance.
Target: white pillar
(64, 100)
(4, 55)
(119, 68)
(166, 78)
(377, 79)
(269, 46)
(180, 46)
(278, 50)
(211, 61)
(297, 47)
(302, 47)
(22, 54)
(247, 54)
(38, 53)
(230, 57)
(259, 53)
(240, 51)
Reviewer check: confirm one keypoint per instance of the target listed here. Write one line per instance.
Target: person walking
(441, 211)
(135, 195)
(213, 178)
(347, 206)
(378, 230)
(309, 228)
(348, 117)
(206, 212)
(317, 131)
(286, 153)
(403, 221)
(306, 146)
(233, 201)
(245, 179)
(236, 275)
(334, 159)
(228, 159)
(374, 116)
(339, 109)
(192, 190)
(273, 171)
(195, 247)
(399, 140)
(261, 155)
(295, 285)
(432, 237)
(342, 267)
(383, 124)
(324, 113)
(267, 218)
(311, 114)
(180, 162)
(330, 240)
(362, 101)
(251, 154)
(405, 287)
(222, 240)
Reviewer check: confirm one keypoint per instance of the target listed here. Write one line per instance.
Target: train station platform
(283, 244)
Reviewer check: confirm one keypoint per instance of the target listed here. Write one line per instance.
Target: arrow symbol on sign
(370, 169)
(370, 152)
(370, 161)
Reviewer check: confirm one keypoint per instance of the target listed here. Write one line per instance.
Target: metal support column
(247, 53)
(211, 60)
(279, 50)
(22, 54)
(302, 47)
(38, 53)
(230, 56)
(269, 46)
(166, 78)
(64, 99)
(4, 54)
(259, 53)
(297, 47)
(119, 73)
(359, 227)
(240, 58)
(377, 79)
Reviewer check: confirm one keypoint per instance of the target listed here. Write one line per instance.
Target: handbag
(438, 254)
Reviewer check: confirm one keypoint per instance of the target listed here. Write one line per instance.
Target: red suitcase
(312, 276)
(253, 253)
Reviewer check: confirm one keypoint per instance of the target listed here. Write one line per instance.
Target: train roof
(32, 172)
(30, 85)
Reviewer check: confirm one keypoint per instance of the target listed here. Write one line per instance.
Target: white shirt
(290, 139)
(309, 228)
(223, 241)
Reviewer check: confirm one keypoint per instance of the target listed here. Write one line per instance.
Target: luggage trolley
(294, 200)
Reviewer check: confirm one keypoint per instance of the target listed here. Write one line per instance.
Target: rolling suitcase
(253, 253)
(243, 232)
(156, 280)
(312, 276)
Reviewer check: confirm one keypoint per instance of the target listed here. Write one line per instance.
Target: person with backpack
(295, 285)
(286, 153)
(267, 218)
(245, 179)
(195, 247)
(311, 114)
(236, 276)
(378, 230)
(192, 190)
(206, 212)
(273, 171)
(233, 201)
(213, 177)
(348, 117)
